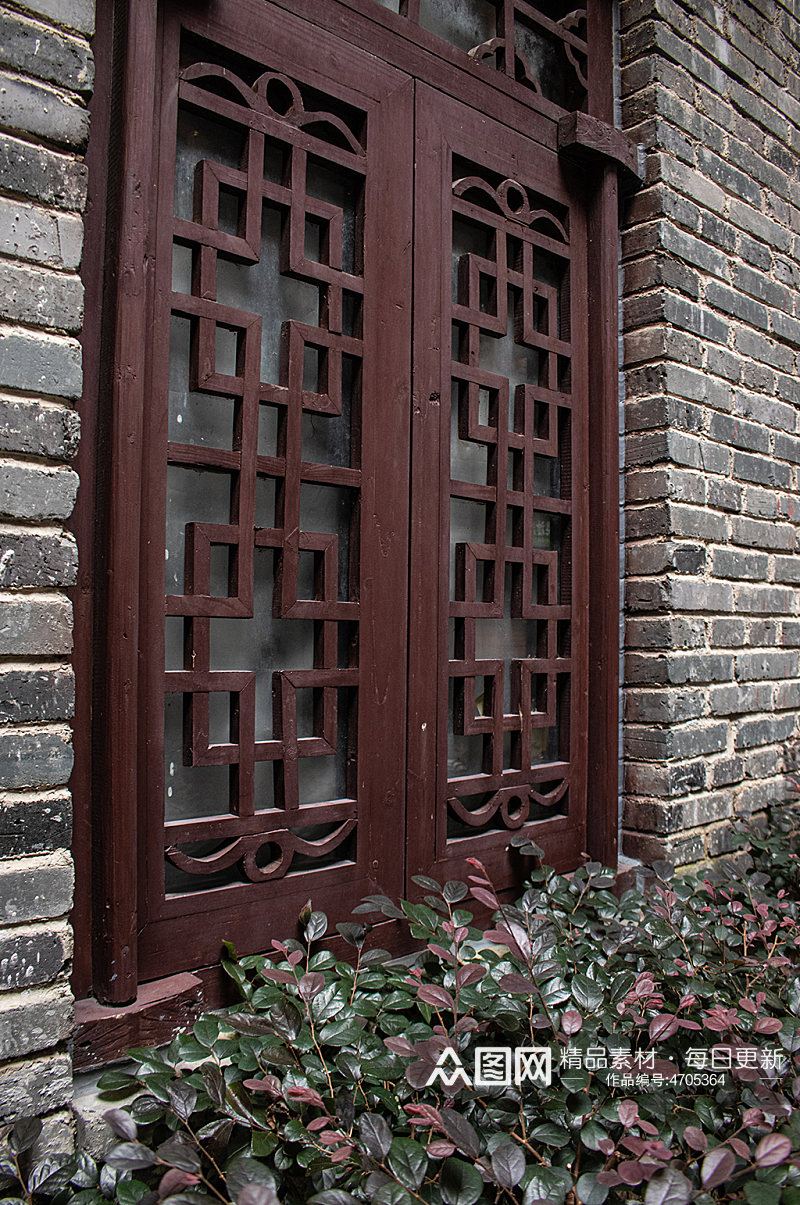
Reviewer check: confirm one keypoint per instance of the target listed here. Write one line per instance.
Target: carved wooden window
(349, 529)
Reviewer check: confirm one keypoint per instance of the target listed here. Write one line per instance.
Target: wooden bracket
(160, 1009)
(589, 140)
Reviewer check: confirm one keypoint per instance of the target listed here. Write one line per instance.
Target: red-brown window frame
(110, 462)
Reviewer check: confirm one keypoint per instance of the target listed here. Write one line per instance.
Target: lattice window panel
(510, 528)
(264, 478)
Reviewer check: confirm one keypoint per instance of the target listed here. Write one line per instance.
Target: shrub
(322, 1084)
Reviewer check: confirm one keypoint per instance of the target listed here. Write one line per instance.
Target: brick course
(46, 74)
(711, 336)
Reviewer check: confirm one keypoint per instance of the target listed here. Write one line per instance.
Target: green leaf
(286, 1020)
(340, 1033)
(586, 992)
(23, 1134)
(461, 1133)
(391, 1194)
(146, 1109)
(244, 1170)
(130, 1192)
(117, 1081)
(183, 1098)
(317, 926)
(408, 1161)
(758, 1193)
(262, 1144)
(669, 1187)
(460, 1183)
(592, 1134)
(180, 1152)
(547, 1184)
(206, 1030)
(51, 1175)
(375, 1134)
(130, 1156)
(589, 1192)
(508, 1164)
(550, 1134)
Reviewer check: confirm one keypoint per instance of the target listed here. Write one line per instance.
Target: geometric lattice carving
(262, 547)
(510, 492)
(543, 51)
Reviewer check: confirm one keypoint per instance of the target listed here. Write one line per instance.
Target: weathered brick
(37, 558)
(765, 599)
(763, 731)
(763, 632)
(35, 757)
(731, 430)
(40, 297)
(726, 771)
(28, 107)
(31, 491)
(38, 428)
(39, 50)
(31, 955)
(727, 633)
(33, 1087)
(35, 627)
(42, 174)
(667, 780)
(761, 469)
(32, 695)
(34, 823)
(669, 632)
(732, 563)
(766, 665)
(39, 235)
(756, 534)
(47, 364)
(35, 888)
(661, 706)
(787, 569)
(34, 1020)
(77, 15)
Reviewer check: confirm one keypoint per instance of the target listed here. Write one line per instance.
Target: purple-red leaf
(571, 1021)
(484, 897)
(628, 1111)
(663, 1026)
(768, 1025)
(717, 1166)
(276, 975)
(398, 1045)
(469, 974)
(430, 993)
(517, 984)
(308, 1096)
(772, 1149)
(311, 985)
(630, 1172)
(694, 1137)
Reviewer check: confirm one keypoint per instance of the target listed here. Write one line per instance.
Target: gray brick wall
(712, 334)
(711, 261)
(45, 81)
